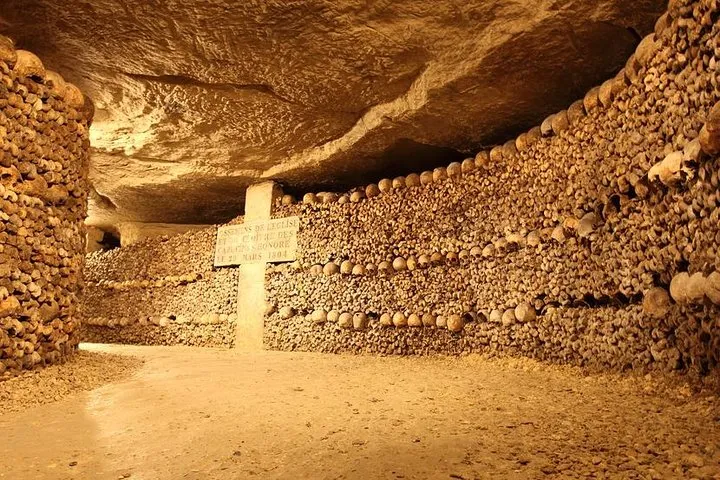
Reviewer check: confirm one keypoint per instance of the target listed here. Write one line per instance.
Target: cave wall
(560, 245)
(590, 240)
(44, 147)
(161, 291)
(133, 232)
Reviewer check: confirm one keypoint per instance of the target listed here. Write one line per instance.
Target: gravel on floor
(82, 372)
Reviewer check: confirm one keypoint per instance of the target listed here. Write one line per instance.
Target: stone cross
(259, 200)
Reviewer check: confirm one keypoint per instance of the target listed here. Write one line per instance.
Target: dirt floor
(210, 414)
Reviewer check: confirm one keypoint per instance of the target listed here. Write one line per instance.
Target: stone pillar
(251, 286)
(42, 211)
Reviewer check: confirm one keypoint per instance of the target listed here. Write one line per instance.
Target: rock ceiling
(196, 99)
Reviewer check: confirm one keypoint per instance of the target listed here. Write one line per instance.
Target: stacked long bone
(44, 145)
(161, 291)
(574, 222)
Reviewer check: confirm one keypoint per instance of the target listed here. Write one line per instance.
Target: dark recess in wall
(110, 241)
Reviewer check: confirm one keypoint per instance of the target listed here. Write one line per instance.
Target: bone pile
(161, 291)
(592, 239)
(44, 147)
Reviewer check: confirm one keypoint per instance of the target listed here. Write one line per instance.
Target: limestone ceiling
(198, 98)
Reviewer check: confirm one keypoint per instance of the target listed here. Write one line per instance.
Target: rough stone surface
(197, 99)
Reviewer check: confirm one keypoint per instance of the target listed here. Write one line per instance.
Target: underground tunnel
(360, 239)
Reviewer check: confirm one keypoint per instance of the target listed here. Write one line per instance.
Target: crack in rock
(185, 81)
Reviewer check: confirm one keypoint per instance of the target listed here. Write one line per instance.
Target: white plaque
(264, 241)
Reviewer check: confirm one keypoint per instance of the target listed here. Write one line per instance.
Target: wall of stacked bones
(592, 239)
(160, 291)
(43, 191)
